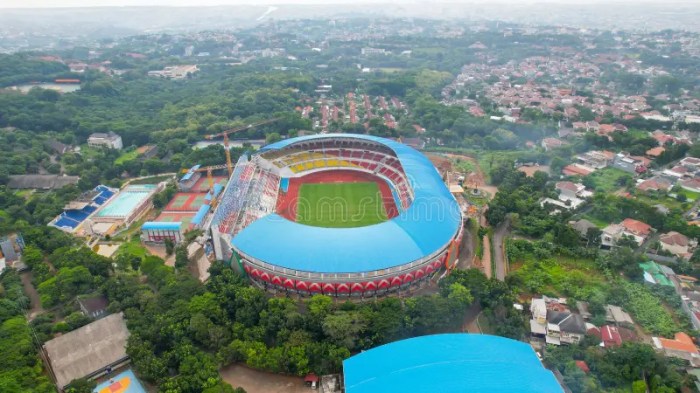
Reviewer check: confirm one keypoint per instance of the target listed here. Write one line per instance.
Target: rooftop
(449, 363)
(424, 228)
(88, 349)
(682, 342)
(636, 227)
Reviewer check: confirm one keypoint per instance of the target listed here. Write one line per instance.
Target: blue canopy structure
(449, 363)
(423, 229)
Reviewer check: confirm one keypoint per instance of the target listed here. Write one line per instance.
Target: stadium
(339, 214)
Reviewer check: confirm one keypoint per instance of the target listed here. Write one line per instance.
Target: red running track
(287, 202)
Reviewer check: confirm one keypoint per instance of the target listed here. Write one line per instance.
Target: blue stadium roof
(449, 363)
(427, 226)
(164, 226)
(201, 213)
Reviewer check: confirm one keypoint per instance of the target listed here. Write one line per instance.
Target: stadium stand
(254, 225)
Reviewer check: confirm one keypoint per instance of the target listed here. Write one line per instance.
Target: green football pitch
(340, 205)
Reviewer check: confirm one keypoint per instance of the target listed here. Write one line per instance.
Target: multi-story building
(109, 140)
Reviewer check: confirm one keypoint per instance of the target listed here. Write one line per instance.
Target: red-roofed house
(636, 227)
(682, 346)
(610, 336)
(691, 184)
(656, 183)
(655, 152)
(638, 230)
(577, 170)
(676, 243)
(551, 143)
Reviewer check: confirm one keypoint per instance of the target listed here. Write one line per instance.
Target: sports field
(340, 205)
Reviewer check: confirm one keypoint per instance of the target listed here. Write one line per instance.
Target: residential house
(109, 140)
(538, 323)
(616, 315)
(610, 336)
(655, 152)
(564, 328)
(570, 190)
(596, 159)
(677, 244)
(582, 226)
(635, 229)
(656, 183)
(577, 170)
(57, 147)
(629, 163)
(682, 347)
(692, 185)
(551, 143)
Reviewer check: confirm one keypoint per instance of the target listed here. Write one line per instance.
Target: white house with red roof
(635, 229)
(681, 346)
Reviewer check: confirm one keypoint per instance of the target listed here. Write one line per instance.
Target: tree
(272, 138)
(82, 385)
(181, 260)
(169, 246)
(344, 328)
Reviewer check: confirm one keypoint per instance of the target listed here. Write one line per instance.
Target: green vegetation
(608, 179)
(542, 269)
(128, 156)
(132, 247)
(21, 369)
(342, 205)
(647, 310)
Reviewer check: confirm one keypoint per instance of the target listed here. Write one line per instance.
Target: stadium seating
(374, 158)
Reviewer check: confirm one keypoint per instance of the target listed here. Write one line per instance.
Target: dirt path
(466, 249)
(486, 258)
(499, 248)
(254, 381)
(34, 299)
(470, 321)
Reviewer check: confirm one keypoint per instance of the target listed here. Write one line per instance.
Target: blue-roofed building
(449, 363)
(276, 251)
(76, 212)
(155, 231)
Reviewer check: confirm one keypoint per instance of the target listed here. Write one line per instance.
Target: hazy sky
(91, 3)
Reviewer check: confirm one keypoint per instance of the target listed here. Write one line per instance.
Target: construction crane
(225, 134)
(208, 170)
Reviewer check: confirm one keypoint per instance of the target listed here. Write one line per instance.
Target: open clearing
(254, 381)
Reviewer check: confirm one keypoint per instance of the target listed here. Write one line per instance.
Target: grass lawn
(606, 179)
(669, 202)
(152, 179)
(133, 247)
(691, 195)
(128, 156)
(598, 222)
(340, 205)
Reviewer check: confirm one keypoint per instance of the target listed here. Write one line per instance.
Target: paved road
(486, 258)
(499, 250)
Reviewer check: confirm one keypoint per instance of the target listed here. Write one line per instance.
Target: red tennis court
(186, 201)
(184, 217)
(202, 185)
